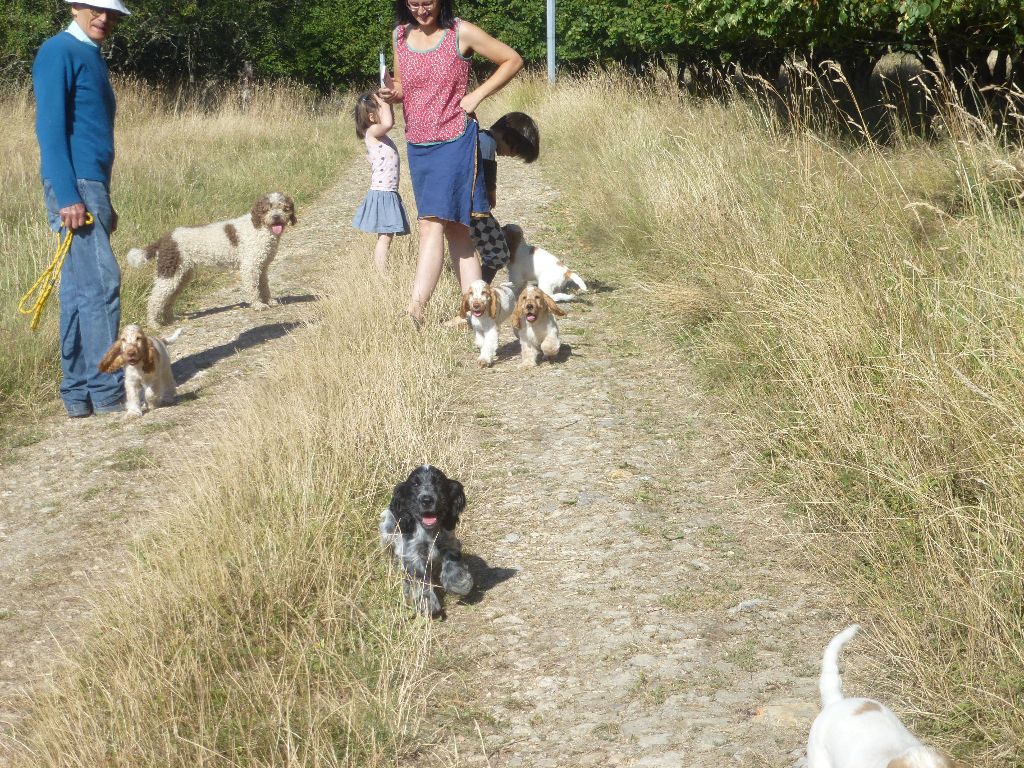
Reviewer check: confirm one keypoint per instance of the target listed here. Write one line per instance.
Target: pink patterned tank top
(433, 84)
(383, 159)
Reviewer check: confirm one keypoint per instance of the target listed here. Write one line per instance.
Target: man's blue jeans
(90, 305)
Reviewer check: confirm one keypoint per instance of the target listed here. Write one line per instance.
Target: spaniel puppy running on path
(417, 526)
(861, 733)
(247, 243)
(486, 307)
(148, 381)
(534, 321)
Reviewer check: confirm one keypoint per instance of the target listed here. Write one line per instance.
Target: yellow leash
(44, 285)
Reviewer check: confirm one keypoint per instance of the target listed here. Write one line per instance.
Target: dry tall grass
(178, 162)
(259, 627)
(863, 307)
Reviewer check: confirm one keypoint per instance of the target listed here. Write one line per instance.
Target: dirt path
(71, 502)
(640, 608)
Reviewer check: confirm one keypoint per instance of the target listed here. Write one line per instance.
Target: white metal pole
(551, 40)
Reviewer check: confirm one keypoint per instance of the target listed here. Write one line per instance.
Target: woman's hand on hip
(474, 40)
(469, 104)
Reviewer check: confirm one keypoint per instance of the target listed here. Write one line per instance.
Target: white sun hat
(109, 5)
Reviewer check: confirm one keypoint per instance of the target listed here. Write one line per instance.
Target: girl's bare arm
(385, 119)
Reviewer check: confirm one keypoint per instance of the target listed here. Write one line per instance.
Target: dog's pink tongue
(531, 318)
(429, 520)
(277, 229)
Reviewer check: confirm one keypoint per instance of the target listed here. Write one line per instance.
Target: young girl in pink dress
(432, 51)
(381, 211)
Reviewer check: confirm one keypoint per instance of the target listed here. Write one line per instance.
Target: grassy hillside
(179, 162)
(861, 308)
(858, 307)
(259, 624)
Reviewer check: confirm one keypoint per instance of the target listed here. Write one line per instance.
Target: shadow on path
(283, 300)
(485, 578)
(187, 367)
(511, 351)
(596, 285)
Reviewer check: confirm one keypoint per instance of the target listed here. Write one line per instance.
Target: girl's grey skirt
(382, 213)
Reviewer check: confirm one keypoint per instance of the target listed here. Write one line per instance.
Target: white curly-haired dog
(534, 321)
(861, 733)
(148, 381)
(486, 308)
(248, 243)
(418, 526)
(531, 264)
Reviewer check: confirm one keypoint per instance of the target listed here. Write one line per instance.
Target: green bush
(328, 43)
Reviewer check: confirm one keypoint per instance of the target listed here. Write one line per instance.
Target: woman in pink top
(432, 51)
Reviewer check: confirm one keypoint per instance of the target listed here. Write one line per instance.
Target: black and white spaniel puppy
(417, 526)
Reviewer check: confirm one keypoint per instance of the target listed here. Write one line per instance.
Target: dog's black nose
(426, 499)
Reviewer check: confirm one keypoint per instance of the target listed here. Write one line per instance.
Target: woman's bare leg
(464, 260)
(428, 265)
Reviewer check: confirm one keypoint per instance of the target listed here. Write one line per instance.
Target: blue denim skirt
(447, 179)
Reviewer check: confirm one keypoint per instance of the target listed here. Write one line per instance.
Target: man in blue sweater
(75, 108)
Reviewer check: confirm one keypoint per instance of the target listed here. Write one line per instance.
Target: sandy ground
(639, 605)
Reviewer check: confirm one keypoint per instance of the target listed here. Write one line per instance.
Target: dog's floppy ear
(149, 356)
(492, 306)
(112, 360)
(552, 305)
(400, 508)
(259, 210)
(517, 313)
(464, 306)
(292, 219)
(456, 504)
(513, 237)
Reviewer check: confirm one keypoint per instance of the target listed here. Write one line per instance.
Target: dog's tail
(138, 257)
(168, 340)
(572, 276)
(831, 684)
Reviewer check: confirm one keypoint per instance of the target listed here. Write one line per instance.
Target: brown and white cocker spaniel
(534, 321)
(247, 243)
(531, 264)
(486, 307)
(148, 381)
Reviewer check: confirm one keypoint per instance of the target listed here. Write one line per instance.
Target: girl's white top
(383, 159)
